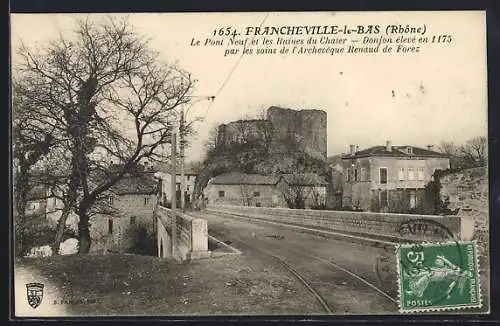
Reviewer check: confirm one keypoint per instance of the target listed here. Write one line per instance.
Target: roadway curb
(233, 250)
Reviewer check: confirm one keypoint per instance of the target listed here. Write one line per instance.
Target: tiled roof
(397, 151)
(237, 178)
(140, 183)
(304, 179)
(417, 151)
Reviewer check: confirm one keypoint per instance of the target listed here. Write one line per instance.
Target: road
(343, 277)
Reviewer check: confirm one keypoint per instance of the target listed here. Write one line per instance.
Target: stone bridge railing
(387, 226)
(191, 236)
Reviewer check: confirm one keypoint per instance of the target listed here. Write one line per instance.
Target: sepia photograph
(250, 164)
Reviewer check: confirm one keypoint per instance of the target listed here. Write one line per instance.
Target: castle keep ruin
(284, 130)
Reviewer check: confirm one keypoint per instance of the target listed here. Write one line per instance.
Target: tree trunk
(20, 230)
(61, 225)
(84, 240)
(21, 200)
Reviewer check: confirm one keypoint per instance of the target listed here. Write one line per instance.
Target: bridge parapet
(397, 227)
(191, 236)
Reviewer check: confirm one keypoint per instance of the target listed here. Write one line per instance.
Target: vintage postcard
(257, 163)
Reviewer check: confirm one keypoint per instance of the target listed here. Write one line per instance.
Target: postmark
(418, 230)
(414, 232)
(438, 276)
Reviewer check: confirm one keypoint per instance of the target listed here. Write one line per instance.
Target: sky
(423, 98)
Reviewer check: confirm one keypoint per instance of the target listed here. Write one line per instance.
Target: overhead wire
(224, 83)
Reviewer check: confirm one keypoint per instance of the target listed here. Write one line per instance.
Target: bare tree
(448, 148)
(246, 196)
(475, 151)
(318, 199)
(112, 98)
(32, 141)
(296, 190)
(453, 152)
(211, 142)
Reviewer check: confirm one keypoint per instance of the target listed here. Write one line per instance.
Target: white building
(166, 181)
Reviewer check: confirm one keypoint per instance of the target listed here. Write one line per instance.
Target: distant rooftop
(304, 179)
(140, 183)
(396, 151)
(238, 178)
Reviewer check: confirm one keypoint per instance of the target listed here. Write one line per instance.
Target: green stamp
(438, 276)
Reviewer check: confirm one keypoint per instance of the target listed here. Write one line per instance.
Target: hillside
(249, 161)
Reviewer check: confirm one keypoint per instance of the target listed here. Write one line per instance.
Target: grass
(124, 284)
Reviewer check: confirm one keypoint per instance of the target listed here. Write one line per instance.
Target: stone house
(235, 188)
(130, 205)
(120, 212)
(388, 178)
(164, 174)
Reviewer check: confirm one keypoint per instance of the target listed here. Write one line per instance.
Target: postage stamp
(438, 276)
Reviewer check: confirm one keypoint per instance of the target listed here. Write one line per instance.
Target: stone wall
(363, 223)
(468, 190)
(191, 239)
(306, 129)
(237, 131)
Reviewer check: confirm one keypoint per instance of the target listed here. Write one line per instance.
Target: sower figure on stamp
(443, 271)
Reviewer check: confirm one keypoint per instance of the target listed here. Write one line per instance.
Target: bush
(142, 242)
(432, 203)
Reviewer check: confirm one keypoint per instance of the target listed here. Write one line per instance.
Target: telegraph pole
(182, 141)
(173, 190)
(181, 153)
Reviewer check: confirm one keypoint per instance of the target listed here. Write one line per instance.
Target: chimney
(388, 146)
(352, 149)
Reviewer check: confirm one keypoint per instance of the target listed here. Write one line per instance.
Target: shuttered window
(383, 175)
